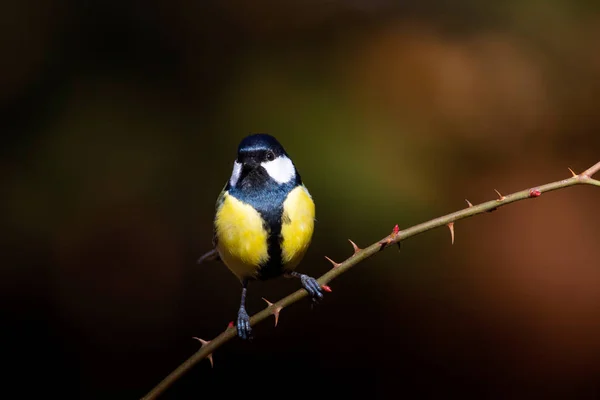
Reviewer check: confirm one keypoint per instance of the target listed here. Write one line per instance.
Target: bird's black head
(259, 147)
(261, 159)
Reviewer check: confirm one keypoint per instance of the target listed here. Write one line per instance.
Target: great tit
(264, 220)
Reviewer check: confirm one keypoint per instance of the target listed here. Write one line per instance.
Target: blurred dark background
(121, 120)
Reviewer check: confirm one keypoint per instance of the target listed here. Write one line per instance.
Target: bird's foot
(313, 287)
(243, 324)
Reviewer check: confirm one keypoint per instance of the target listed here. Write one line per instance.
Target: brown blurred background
(120, 124)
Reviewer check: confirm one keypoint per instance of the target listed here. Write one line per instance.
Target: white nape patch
(235, 175)
(280, 169)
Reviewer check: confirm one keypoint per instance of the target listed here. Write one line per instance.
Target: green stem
(362, 254)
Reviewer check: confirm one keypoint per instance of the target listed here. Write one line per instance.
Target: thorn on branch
(469, 203)
(210, 356)
(326, 288)
(335, 264)
(572, 173)
(387, 241)
(500, 197)
(354, 246)
(230, 324)
(535, 193)
(451, 227)
(275, 310)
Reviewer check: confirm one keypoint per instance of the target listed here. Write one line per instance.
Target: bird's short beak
(248, 166)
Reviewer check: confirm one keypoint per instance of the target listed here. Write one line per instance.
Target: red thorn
(326, 288)
(451, 227)
(573, 173)
(534, 193)
(500, 197)
(388, 240)
(469, 203)
(230, 324)
(354, 246)
(210, 357)
(335, 265)
(276, 310)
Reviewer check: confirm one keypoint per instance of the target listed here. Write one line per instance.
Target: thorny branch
(397, 235)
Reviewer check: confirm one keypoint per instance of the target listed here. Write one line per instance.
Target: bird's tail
(212, 255)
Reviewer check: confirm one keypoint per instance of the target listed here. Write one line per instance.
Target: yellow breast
(297, 226)
(241, 237)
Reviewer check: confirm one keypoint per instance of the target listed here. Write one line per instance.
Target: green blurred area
(122, 121)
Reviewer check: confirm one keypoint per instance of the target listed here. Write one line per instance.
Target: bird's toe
(312, 287)
(244, 330)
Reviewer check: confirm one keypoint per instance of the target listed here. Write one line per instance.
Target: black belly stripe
(274, 266)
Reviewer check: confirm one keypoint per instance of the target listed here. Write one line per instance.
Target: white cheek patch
(280, 169)
(235, 175)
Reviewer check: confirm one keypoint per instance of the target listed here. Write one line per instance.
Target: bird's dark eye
(270, 155)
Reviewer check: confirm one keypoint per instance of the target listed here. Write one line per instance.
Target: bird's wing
(213, 255)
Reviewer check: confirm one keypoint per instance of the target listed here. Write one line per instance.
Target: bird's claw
(312, 287)
(243, 325)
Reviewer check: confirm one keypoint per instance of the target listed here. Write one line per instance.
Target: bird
(264, 221)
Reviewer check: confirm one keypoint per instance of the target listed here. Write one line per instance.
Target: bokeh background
(120, 124)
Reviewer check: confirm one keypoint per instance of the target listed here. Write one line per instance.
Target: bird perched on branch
(264, 220)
